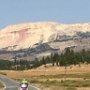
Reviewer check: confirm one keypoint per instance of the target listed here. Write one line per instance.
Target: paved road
(13, 85)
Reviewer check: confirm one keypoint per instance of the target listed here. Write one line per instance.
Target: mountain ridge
(20, 36)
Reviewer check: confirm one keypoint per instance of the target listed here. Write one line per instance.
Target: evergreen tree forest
(69, 57)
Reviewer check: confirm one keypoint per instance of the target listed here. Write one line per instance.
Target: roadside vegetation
(1, 85)
(66, 83)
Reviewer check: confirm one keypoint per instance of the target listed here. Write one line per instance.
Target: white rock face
(26, 35)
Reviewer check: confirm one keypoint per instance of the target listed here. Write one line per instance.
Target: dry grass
(49, 70)
(39, 73)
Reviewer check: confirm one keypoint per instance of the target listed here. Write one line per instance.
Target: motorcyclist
(24, 84)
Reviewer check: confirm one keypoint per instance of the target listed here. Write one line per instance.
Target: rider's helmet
(24, 81)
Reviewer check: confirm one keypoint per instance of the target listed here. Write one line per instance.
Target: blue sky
(63, 11)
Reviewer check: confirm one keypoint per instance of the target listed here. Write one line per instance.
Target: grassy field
(65, 82)
(55, 78)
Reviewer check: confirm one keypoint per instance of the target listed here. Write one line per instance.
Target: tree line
(67, 58)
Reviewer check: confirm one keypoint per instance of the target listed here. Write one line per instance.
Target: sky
(63, 11)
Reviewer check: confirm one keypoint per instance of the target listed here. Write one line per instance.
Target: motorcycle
(23, 87)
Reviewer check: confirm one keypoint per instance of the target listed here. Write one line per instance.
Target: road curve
(13, 85)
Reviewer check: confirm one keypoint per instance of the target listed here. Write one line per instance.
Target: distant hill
(44, 37)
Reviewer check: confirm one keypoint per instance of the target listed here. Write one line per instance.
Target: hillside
(44, 37)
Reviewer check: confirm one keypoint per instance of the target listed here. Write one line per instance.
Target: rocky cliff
(21, 36)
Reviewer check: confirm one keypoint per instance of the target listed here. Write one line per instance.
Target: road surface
(13, 85)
